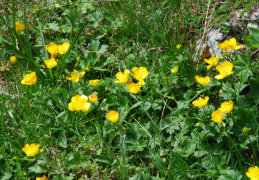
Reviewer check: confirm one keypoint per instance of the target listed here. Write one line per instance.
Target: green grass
(159, 134)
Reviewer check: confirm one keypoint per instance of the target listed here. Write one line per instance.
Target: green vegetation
(147, 122)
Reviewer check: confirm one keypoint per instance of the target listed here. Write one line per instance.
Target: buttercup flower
(134, 88)
(51, 63)
(79, 103)
(220, 91)
(201, 102)
(245, 129)
(202, 80)
(123, 77)
(75, 76)
(31, 149)
(230, 44)
(62, 49)
(13, 59)
(174, 69)
(94, 82)
(52, 49)
(217, 116)
(253, 173)
(139, 73)
(178, 46)
(226, 107)
(29, 79)
(42, 178)
(19, 27)
(224, 70)
(93, 98)
(213, 61)
(113, 116)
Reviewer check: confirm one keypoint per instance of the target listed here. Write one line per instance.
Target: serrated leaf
(94, 45)
(36, 168)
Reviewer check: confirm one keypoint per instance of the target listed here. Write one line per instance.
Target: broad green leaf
(102, 158)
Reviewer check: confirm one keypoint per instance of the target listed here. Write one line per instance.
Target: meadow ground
(111, 90)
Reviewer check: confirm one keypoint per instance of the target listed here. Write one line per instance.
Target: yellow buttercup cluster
(31, 149)
(138, 73)
(55, 49)
(230, 44)
(79, 103)
(225, 107)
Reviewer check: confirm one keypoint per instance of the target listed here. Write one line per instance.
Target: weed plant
(111, 90)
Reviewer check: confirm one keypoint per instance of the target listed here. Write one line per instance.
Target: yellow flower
(52, 48)
(29, 79)
(134, 88)
(213, 61)
(253, 173)
(178, 46)
(139, 73)
(217, 116)
(62, 49)
(19, 27)
(94, 82)
(245, 129)
(113, 116)
(42, 178)
(93, 98)
(202, 80)
(226, 107)
(4, 67)
(174, 69)
(75, 76)
(79, 103)
(51, 63)
(220, 91)
(229, 44)
(201, 102)
(87, 69)
(224, 70)
(123, 77)
(13, 59)
(31, 149)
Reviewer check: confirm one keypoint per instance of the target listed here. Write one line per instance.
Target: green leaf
(94, 45)
(36, 168)
(102, 158)
(254, 93)
(52, 26)
(62, 141)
